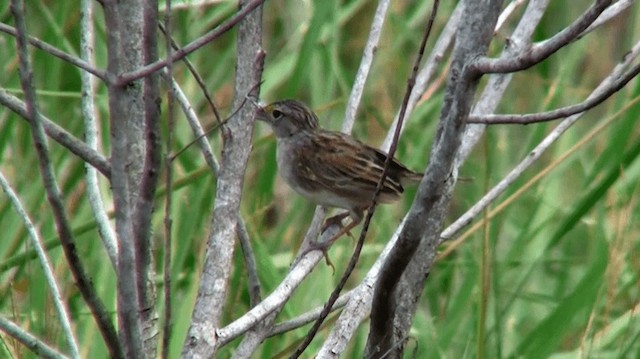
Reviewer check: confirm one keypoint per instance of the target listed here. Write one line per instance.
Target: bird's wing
(350, 168)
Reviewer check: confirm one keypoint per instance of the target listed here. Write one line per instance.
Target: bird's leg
(324, 246)
(335, 220)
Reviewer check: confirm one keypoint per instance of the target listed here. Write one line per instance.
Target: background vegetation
(563, 250)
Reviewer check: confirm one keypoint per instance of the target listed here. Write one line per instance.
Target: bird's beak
(261, 113)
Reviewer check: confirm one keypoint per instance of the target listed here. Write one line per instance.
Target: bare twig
(36, 241)
(428, 71)
(212, 162)
(454, 229)
(81, 64)
(193, 46)
(38, 347)
(196, 76)
(105, 230)
(274, 301)
(611, 12)
(59, 134)
(498, 83)
(538, 52)
(168, 220)
(365, 66)
(535, 154)
(563, 112)
(359, 306)
(308, 317)
(365, 227)
(53, 192)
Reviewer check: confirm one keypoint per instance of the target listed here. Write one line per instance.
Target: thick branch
(432, 201)
(126, 114)
(237, 133)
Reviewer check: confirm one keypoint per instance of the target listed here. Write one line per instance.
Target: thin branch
(301, 268)
(428, 70)
(57, 53)
(253, 281)
(59, 134)
(538, 52)
(498, 83)
(370, 211)
(304, 262)
(193, 46)
(563, 112)
(534, 154)
(53, 192)
(308, 317)
(196, 76)
(38, 347)
(107, 235)
(359, 306)
(168, 220)
(365, 65)
(611, 12)
(36, 242)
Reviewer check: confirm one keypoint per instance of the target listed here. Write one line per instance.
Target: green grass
(563, 265)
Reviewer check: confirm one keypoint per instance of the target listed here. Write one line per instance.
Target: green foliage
(563, 265)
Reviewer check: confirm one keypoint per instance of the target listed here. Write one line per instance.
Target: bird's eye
(276, 114)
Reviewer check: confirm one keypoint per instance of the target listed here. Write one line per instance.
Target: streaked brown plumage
(330, 168)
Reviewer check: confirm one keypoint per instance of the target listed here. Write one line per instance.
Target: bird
(331, 168)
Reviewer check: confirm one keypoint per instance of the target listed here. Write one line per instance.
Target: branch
(365, 65)
(388, 321)
(275, 301)
(59, 134)
(123, 19)
(237, 134)
(498, 83)
(38, 347)
(534, 154)
(36, 242)
(428, 70)
(167, 326)
(308, 317)
(359, 306)
(193, 46)
(538, 52)
(105, 230)
(52, 50)
(147, 184)
(54, 197)
(563, 112)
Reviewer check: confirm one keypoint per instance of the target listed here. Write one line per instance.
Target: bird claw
(334, 221)
(320, 246)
